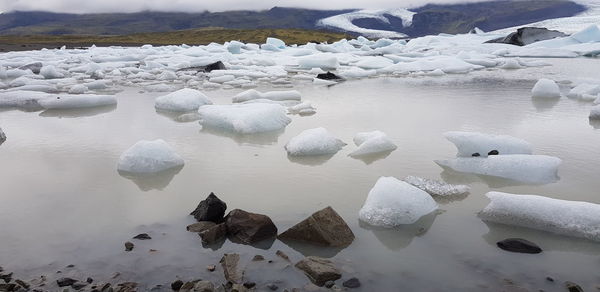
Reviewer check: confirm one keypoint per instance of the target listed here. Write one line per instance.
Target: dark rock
(213, 234)
(258, 258)
(89, 280)
(328, 76)
(249, 285)
(64, 282)
(324, 227)
(200, 226)
(272, 287)
(519, 245)
(211, 268)
(229, 262)
(129, 246)
(329, 284)
(493, 152)
(176, 285)
(549, 279)
(475, 154)
(249, 228)
(127, 287)
(211, 209)
(188, 286)
(78, 286)
(70, 266)
(351, 283)
(203, 286)
(34, 67)
(214, 66)
(319, 270)
(142, 236)
(22, 284)
(8, 287)
(572, 287)
(2, 138)
(528, 35)
(6, 277)
(282, 255)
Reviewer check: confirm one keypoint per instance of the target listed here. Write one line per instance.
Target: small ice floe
(244, 118)
(437, 188)
(595, 112)
(570, 218)
(316, 141)
(304, 109)
(50, 72)
(371, 143)
(147, 157)
(77, 101)
(585, 89)
(271, 95)
(511, 64)
(534, 169)
(222, 79)
(323, 61)
(392, 202)
(78, 89)
(478, 144)
(183, 100)
(22, 99)
(545, 88)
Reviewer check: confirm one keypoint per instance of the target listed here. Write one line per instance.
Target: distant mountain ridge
(429, 19)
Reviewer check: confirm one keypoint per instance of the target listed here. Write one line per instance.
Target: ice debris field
(74, 79)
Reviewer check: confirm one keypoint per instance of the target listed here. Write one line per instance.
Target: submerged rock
(329, 76)
(519, 245)
(213, 234)
(249, 228)
(230, 262)
(528, 35)
(319, 270)
(129, 246)
(324, 227)
(200, 226)
(210, 209)
(351, 283)
(64, 282)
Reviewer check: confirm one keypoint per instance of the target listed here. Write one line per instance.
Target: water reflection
(266, 138)
(546, 240)
(307, 249)
(370, 158)
(310, 160)
(180, 117)
(77, 113)
(544, 104)
(401, 236)
(456, 177)
(155, 181)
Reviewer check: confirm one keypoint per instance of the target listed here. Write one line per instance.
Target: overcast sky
(92, 6)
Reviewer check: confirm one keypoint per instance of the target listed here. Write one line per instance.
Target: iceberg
(183, 100)
(518, 167)
(437, 188)
(372, 142)
(392, 202)
(545, 88)
(595, 113)
(570, 218)
(304, 109)
(275, 42)
(253, 94)
(478, 144)
(70, 101)
(244, 118)
(316, 141)
(146, 157)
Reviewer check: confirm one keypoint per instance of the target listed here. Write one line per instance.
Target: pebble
(572, 287)
(211, 268)
(142, 236)
(64, 282)
(258, 258)
(352, 283)
(329, 284)
(129, 246)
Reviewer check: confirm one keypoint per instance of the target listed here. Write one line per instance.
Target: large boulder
(249, 228)
(319, 270)
(324, 227)
(528, 35)
(230, 262)
(213, 234)
(211, 209)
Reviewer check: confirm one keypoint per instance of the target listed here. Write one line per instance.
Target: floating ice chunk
(570, 218)
(272, 95)
(469, 143)
(167, 75)
(182, 100)
(323, 61)
(545, 88)
(245, 118)
(78, 89)
(444, 63)
(235, 47)
(68, 101)
(582, 89)
(98, 84)
(372, 142)
(316, 141)
(392, 202)
(319, 81)
(304, 109)
(587, 35)
(595, 112)
(276, 43)
(50, 72)
(356, 72)
(21, 98)
(436, 72)
(437, 188)
(157, 88)
(149, 157)
(374, 62)
(222, 79)
(511, 64)
(518, 167)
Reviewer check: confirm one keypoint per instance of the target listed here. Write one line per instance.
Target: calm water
(63, 202)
